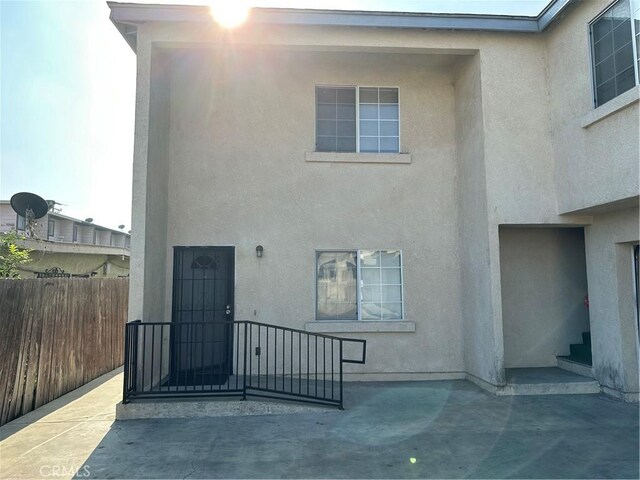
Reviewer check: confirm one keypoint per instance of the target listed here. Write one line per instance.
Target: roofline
(127, 16)
(75, 220)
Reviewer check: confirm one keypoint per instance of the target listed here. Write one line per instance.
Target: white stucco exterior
(496, 131)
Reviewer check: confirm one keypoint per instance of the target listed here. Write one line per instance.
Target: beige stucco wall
(597, 163)
(614, 332)
(544, 282)
(260, 190)
(482, 357)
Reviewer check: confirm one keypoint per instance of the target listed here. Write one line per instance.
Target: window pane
(325, 95)
(327, 112)
(622, 34)
(336, 275)
(368, 95)
(391, 276)
(370, 258)
(388, 95)
(619, 12)
(606, 91)
(603, 48)
(604, 71)
(625, 81)
(369, 127)
(389, 145)
(346, 95)
(371, 294)
(389, 128)
(391, 311)
(602, 27)
(347, 112)
(326, 311)
(346, 144)
(624, 58)
(368, 112)
(390, 258)
(391, 293)
(368, 144)
(371, 311)
(347, 129)
(389, 112)
(326, 127)
(326, 144)
(335, 103)
(370, 276)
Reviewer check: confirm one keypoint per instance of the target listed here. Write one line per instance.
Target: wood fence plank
(10, 333)
(45, 370)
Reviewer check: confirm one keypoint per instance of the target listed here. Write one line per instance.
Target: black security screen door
(202, 347)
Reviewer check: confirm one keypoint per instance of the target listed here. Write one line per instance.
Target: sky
(67, 96)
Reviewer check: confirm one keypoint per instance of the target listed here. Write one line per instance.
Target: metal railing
(241, 358)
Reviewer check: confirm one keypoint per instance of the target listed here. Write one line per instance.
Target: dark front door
(202, 342)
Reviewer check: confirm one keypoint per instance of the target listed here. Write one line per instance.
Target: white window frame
(358, 283)
(357, 88)
(633, 5)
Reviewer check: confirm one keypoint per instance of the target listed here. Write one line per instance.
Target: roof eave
(127, 16)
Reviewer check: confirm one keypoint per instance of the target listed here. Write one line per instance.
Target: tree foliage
(12, 255)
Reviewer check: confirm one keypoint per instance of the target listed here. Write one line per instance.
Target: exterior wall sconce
(259, 250)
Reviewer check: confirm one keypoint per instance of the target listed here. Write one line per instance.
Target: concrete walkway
(440, 429)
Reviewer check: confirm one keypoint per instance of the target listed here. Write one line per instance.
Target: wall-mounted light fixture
(259, 250)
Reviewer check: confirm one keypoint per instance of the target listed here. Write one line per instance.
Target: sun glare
(229, 13)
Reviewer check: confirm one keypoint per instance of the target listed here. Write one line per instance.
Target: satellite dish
(24, 201)
(88, 220)
(31, 207)
(121, 227)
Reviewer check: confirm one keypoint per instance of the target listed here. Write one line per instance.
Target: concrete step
(547, 381)
(579, 368)
(580, 353)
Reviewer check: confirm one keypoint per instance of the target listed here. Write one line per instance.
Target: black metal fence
(236, 359)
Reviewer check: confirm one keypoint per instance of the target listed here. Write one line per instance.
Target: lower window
(359, 285)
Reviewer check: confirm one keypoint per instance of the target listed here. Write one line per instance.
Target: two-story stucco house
(460, 191)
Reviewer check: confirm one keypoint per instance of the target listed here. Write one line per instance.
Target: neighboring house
(74, 246)
(459, 190)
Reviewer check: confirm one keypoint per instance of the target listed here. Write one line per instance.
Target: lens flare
(229, 13)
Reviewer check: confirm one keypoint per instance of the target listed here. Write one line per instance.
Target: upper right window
(614, 50)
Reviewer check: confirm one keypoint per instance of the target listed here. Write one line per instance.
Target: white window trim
(358, 285)
(357, 88)
(633, 4)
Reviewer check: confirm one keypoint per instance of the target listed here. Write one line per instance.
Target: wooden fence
(57, 334)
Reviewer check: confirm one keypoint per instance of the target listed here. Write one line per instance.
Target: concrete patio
(438, 429)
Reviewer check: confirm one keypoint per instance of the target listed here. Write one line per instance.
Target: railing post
(127, 355)
(341, 396)
(244, 365)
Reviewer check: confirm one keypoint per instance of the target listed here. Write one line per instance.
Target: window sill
(615, 105)
(338, 157)
(394, 326)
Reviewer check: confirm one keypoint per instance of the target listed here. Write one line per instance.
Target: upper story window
(357, 119)
(51, 230)
(75, 233)
(614, 50)
(20, 223)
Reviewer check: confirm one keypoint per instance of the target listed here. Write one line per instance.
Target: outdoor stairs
(579, 360)
(573, 375)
